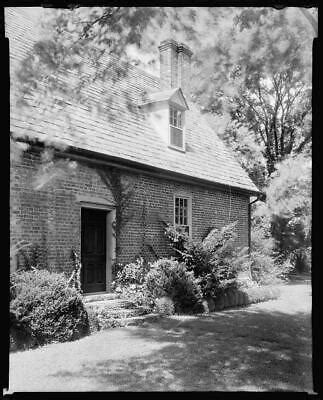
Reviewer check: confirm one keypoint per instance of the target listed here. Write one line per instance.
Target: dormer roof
(172, 96)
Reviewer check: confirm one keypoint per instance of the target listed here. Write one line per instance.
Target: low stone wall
(241, 297)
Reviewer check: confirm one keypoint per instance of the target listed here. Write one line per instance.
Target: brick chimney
(168, 64)
(175, 65)
(184, 67)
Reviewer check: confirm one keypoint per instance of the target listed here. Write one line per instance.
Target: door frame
(99, 203)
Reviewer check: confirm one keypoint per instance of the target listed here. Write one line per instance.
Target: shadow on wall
(233, 350)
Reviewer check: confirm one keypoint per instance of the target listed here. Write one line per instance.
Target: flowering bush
(133, 273)
(129, 283)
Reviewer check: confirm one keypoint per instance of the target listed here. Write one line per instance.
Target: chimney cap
(179, 47)
(165, 44)
(182, 47)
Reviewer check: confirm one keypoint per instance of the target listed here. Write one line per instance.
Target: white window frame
(189, 210)
(182, 128)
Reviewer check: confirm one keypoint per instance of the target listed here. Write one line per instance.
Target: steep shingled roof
(111, 121)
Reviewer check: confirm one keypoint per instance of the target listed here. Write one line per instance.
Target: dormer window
(176, 134)
(167, 116)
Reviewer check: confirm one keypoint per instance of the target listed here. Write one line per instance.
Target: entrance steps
(124, 312)
(90, 298)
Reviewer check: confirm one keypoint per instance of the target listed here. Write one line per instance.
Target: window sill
(182, 150)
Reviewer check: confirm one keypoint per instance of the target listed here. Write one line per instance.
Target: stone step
(110, 304)
(89, 298)
(118, 312)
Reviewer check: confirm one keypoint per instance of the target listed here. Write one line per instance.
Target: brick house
(142, 155)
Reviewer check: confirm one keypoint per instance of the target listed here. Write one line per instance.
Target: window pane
(181, 216)
(171, 116)
(179, 119)
(176, 137)
(175, 117)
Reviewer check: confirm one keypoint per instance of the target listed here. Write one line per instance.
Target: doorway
(93, 250)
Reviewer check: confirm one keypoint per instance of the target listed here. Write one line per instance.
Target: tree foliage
(261, 76)
(287, 213)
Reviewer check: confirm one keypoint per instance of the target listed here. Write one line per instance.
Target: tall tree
(266, 83)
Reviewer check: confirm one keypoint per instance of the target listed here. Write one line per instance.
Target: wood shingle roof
(111, 122)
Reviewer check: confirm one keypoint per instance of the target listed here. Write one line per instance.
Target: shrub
(105, 320)
(221, 278)
(301, 260)
(177, 238)
(44, 308)
(170, 278)
(136, 294)
(129, 283)
(164, 306)
(196, 257)
(133, 273)
(261, 293)
(211, 260)
(266, 270)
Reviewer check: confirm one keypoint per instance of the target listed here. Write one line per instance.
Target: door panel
(93, 249)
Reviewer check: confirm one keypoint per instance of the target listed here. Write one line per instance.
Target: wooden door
(93, 250)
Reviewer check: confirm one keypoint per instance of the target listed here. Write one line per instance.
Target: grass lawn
(265, 346)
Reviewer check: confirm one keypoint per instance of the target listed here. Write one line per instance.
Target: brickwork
(50, 216)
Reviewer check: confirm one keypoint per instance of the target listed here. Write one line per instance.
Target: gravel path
(263, 347)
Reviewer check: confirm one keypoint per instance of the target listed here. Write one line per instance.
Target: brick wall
(50, 216)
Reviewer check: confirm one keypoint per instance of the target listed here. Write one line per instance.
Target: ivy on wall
(123, 192)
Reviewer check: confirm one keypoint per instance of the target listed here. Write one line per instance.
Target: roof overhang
(95, 158)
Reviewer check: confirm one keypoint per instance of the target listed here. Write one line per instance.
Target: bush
(177, 238)
(129, 283)
(44, 309)
(105, 320)
(265, 270)
(164, 306)
(133, 273)
(211, 260)
(171, 278)
(262, 293)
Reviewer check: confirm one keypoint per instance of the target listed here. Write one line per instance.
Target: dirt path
(263, 347)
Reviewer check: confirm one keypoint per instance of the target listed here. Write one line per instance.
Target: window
(182, 215)
(176, 127)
